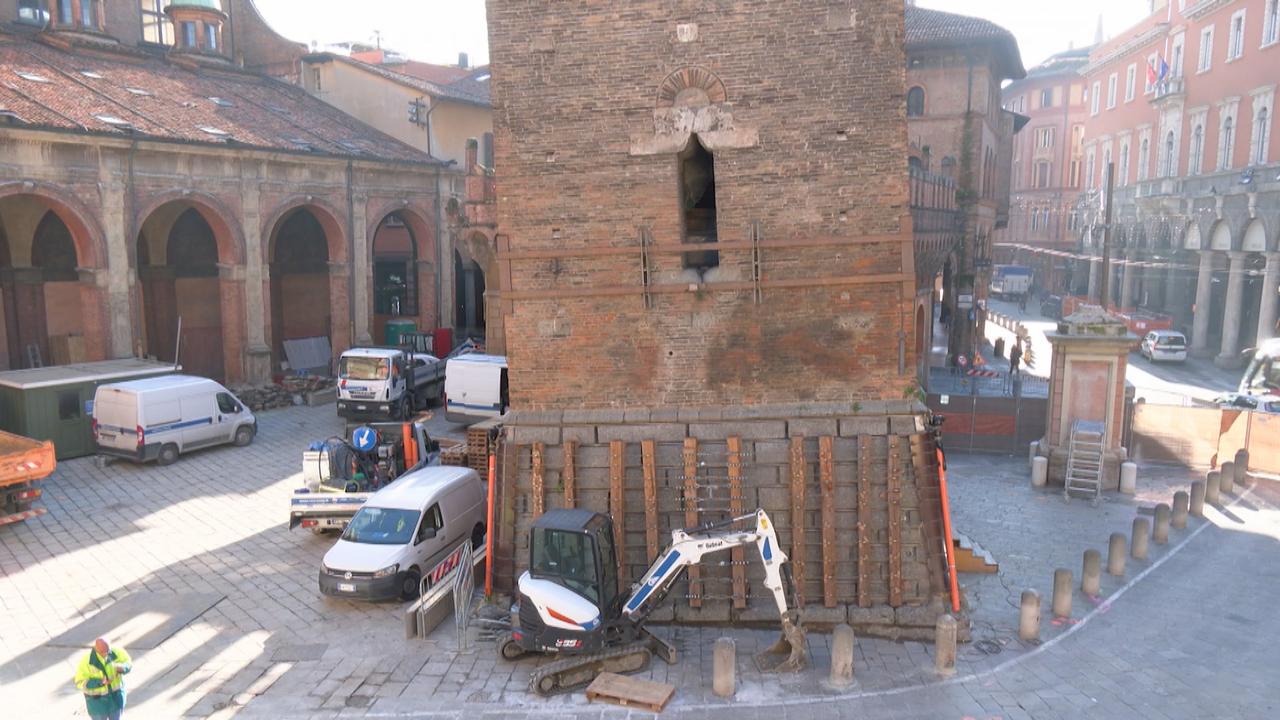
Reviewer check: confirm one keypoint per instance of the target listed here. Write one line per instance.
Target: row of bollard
(843, 642)
(1204, 491)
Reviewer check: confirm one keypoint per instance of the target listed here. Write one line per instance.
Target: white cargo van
(475, 388)
(415, 527)
(160, 418)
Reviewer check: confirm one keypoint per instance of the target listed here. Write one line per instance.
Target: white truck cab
(1260, 386)
(475, 388)
(162, 417)
(386, 383)
(411, 529)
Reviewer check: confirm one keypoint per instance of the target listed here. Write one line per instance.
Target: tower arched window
(915, 102)
(1260, 127)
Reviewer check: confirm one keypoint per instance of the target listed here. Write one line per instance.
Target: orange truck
(23, 464)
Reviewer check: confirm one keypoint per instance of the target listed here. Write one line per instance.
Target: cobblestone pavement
(1175, 637)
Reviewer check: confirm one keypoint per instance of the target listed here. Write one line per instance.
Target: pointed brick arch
(306, 297)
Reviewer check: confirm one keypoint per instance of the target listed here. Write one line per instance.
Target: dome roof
(210, 4)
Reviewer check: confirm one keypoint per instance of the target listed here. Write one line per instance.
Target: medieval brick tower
(707, 278)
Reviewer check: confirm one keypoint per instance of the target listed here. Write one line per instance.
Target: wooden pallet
(630, 692)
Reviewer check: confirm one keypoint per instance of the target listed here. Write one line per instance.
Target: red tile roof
(926, 27)
(122, 91)
(465, 89)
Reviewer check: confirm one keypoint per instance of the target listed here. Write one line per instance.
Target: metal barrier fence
(988, 383)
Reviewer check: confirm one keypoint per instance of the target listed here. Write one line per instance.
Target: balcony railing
(1169, 87)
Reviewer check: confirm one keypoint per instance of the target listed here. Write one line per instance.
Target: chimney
(462, 60)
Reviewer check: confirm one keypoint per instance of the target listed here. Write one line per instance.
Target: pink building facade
(1197, 175)
(1047, 173)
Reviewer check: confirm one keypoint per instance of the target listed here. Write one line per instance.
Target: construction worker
(100, 677)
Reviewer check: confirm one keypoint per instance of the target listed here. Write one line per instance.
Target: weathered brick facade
(632, 356)
(809, 142)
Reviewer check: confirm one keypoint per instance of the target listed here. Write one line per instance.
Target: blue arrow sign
(364, 438)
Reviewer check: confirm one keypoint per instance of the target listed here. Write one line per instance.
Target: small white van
(162, 417)
(413, 528)
(475, 388)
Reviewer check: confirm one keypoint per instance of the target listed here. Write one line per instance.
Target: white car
(412, 529)
(1164, 345)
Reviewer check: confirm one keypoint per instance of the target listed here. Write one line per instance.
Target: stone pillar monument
(1086, 382)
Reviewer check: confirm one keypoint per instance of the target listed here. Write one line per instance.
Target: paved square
(1178, 642)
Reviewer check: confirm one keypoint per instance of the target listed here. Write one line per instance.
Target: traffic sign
(364, 438)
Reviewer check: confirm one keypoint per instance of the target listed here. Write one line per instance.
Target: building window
(1260, 128)
(1046, 98)
(1075, 173)
(1044, 137)
(1167, 163)
(1124, 165)
(1088, 170)
(32, 12)
(1235, 42)
(155, 26)
(1096, 95)
(1206, 50)
(486, 150)
(210, 37)
(1175, 67)
(89, 14)
(188, 34)
(1111, 90)
(1226, 138)
(1130, 82)
(1144, 158)
(66, 15)
(915, 102)
(1044, 174)
(1271, 23)
(1197, 151)
(698, 202)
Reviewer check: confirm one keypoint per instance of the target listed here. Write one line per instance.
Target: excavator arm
(688, 547)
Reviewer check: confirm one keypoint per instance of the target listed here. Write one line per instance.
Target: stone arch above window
(691, 86)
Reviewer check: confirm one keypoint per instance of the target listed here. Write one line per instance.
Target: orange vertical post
(488, 531)
(946, 529)
(410, 447)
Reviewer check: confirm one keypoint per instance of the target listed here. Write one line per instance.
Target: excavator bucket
(789, 654)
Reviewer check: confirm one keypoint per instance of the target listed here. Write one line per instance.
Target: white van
(413, 528)
(162, 417)
(475, 388)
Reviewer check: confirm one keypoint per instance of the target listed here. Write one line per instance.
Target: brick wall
(806, 121)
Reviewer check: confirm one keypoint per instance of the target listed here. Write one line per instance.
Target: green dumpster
(396, 329)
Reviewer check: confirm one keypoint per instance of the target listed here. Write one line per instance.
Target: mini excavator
(569, 603)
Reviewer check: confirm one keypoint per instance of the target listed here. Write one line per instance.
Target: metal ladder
(1084, 460)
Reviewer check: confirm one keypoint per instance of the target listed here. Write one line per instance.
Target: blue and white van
(475, 388)
(160, 418)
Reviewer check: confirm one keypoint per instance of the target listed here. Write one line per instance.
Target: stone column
(114, 288)
(231, 290)
(1095, 270)
(1200, 322)
(257, 352)
(1126, 286)
(1231, 312)
(1267, 308)
(361, 262)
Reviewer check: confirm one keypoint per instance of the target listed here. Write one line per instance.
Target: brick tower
(707, 282)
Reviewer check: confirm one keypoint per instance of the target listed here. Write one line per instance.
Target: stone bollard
(842, 643)
(1091, 576)
(1241, 467)
(1062, 593)
(1213, 487)
(945, 645)
(1181, 501)
(1141, 533)
(724, 668)
(1115, 554)
(1032, 452)
(1029, 620)
(1228, 474)
(1197, 499)
(1160, 533)
(1128, 477)
(1039, 471)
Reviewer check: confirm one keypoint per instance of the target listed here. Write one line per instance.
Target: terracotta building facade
(705, 235)
(1197, 171)
(146, 183)
(957, 128)
(1048, 170)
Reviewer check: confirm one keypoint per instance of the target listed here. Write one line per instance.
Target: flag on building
(1164, 70)
(1151, 74)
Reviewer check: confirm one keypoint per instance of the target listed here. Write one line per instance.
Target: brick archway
(306, 286)
(402, 247)
(52, 299)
